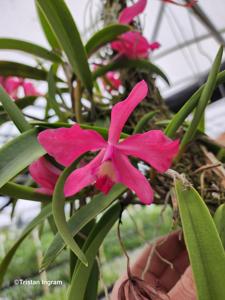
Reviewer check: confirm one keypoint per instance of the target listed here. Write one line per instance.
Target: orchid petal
(128, 175)
(44, 174)
(129, 13)
(30, 90)
(122, 110)
(67, 144)
(84, 176)
(154, 147)
(132, 44)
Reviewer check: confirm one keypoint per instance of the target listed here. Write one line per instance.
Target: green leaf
(92, 285)
(143, 121)
(45, 212)
(82, 217)
(104, 36)
(18, 154)
(188, 107)
(21, 103)
(13, 111)
(9, 68)
(19, 191)
(49, 34)
(204, 246)
(64, 27)
(219, 219)
(52, 94)
(91, 247)
(29, 48)
(58, 202)
(204, 99)
(125, 63)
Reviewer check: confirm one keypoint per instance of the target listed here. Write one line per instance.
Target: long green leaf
(204, 99)
(203, 243)
(104, 36)
(9, 68)
(21, 103)
(188, 107)
(19, 191)
(13, 111)
(143, 121)
(29, 48)
(92, 285)
(64, 27)
(219, 219)
(82, 217)
(52, 94)
(126, 63)
(18, 154)
(45, 212)
(58, 203)
(49, 34)
(91, 247)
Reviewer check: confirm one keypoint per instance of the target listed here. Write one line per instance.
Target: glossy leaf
(45, 212)
(58, 203)
(29, 48)
(9, 68)
(91, 248)
(49, 34)
(219, 219)
(125, 63)
(204, 246)
(19, 191)
(82, 217)
(64, 27)
(13, 111)
(188, 107)
(92, 285)
(18, 154)
(204, 99)
(104, 36)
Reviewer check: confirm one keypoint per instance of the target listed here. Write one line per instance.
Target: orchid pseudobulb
(111, 165)
(133, 44)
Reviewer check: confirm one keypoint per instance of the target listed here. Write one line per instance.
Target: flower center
(106, 177)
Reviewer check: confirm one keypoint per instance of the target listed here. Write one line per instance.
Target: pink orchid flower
(111, 165)
(188, 5)
(129, 13)
(45, 175)
(11, 85)
(133, 44)
(114, 81)
(30, 89)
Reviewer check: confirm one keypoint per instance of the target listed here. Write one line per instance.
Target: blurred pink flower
(133, 44)
(12, 85)
(113, 80)
(45, 175)
(30, 89)
(111, 165)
